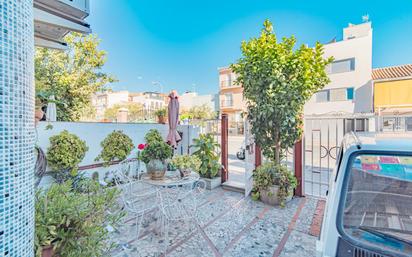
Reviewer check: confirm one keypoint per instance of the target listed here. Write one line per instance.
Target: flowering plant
(141, 146)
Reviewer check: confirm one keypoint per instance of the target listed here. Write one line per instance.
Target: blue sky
(182, 43)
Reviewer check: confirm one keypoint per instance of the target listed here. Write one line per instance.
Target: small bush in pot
(75, 223)
(186, 164)
(64, 154)
(115, 147)
(161, 115)
(207, 151)
(155, 154)
(268, 175)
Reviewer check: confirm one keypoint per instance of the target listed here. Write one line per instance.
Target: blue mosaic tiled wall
(16, 128)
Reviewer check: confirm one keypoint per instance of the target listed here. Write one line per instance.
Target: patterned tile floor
(230, 225)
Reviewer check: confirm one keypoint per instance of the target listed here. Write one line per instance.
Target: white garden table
(172, 179)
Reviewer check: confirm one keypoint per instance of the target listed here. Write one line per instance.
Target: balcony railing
(226, 83)
(227, 103)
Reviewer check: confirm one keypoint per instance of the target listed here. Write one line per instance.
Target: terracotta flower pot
(47, 251)
(185, 172)
(161, 119)
(270, 196)
(38, 115)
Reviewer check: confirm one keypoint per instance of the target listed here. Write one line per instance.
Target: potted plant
(115, 147)
(186, 164)
(38, 113)
(69, 222)
(207, 151)
(155, 154)
(161, 115)
(64, 154)
(273, 184)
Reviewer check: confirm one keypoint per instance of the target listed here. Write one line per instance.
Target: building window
(350, 93)
(338, 94)
(335, 95)
(322, 96)
(229, 80)
(408, 123)
(341, 66)
(228, 101)
(356, 125)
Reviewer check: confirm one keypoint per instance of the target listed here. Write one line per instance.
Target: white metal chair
(179, 203)
(138, 198)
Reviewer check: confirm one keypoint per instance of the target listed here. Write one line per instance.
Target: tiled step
(234, 186)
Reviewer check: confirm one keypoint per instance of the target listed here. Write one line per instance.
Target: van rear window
(378, 206)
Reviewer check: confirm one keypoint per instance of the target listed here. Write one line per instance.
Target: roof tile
(393, 72)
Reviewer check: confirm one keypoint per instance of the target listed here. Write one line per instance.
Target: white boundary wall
(94, 133)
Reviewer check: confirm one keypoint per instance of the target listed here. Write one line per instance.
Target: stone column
(16, 128)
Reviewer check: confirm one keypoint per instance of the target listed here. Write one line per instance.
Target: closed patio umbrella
(173, 116)
(51, 110)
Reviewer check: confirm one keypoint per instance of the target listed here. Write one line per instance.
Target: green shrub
(184, 162)
(269, 174)
(64, 154)
(207, 151)
(75, 222)
(156, 151)
(153, 136)
(115, 147)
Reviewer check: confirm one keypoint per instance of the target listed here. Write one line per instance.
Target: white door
(249, 158)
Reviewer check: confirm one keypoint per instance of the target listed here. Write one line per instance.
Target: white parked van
(369, 207)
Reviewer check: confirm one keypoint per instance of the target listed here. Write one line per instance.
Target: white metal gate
(250, 160)
(322, 139)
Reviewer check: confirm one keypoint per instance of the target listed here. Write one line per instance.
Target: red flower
(141, 146)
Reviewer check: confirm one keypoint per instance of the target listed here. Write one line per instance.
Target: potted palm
(161, 115)
(207, 151)
(155, 154)
(273, 184)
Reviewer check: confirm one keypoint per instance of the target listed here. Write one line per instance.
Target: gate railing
(322, 137)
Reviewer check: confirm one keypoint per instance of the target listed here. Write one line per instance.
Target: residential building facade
(149, 100)
(103, 101)
(350, 89)
(188, 100)
(392, 97)
(231, 98)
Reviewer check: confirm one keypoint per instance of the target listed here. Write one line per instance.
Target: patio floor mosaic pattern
(230, 225)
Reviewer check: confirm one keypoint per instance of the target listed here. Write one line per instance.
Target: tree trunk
(277, 147)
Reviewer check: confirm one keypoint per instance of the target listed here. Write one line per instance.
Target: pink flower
(141, 146)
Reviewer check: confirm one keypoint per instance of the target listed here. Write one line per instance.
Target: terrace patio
(231, 225)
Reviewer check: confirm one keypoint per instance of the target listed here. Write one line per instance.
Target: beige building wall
(231, 96)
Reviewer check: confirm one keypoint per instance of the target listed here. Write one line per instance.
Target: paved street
(236, 166)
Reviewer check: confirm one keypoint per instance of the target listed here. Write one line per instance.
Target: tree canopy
(278, 79)
(72, 76)
(135, 111)
(198, 113)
